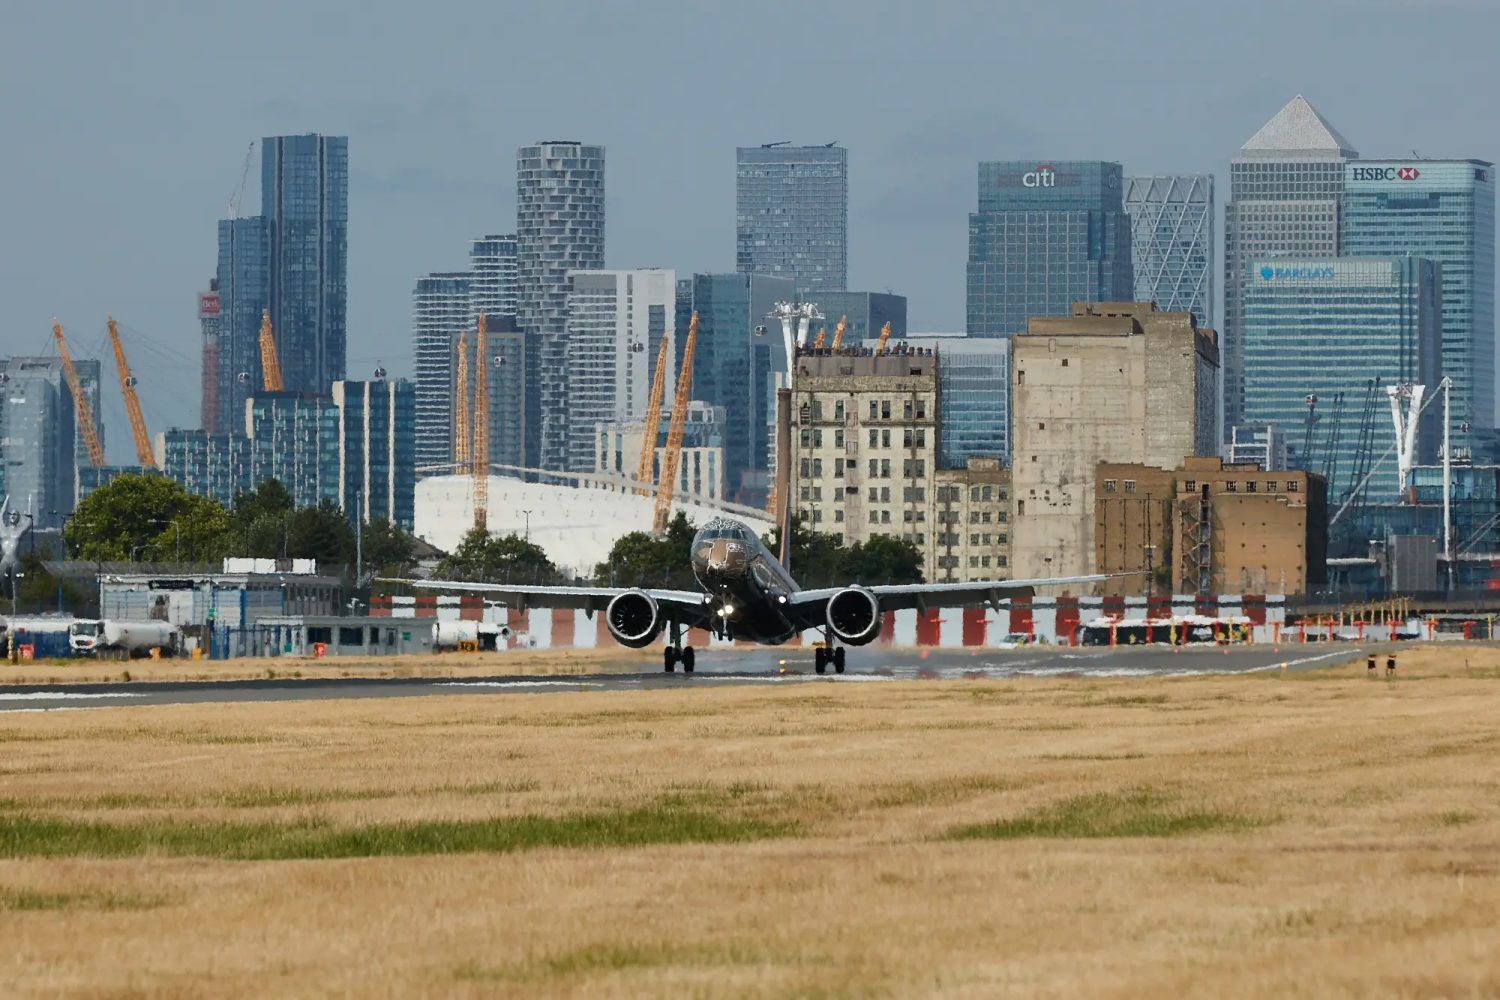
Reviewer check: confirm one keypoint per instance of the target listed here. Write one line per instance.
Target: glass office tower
(1172, 242)
(304, 189)
(973, 376)
(867, 312)
(1443, 210)
(792, 214)
(377, 450)
(1285, 190)
(244, 294)
(1328, 326)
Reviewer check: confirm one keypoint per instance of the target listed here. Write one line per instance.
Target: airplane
(746, 593)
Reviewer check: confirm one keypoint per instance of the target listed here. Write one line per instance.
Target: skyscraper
(377, 450)
(1285, 190)
(243, 297)
(1172, 242)
(737, 368)
(1443, 210)
(614, 318)
(305, 202)
(41, 444)
(1046, 235)
(492, 270)
(208, 380)
(866, 313)
(294, 438)
(440, 309)
(792, 214)
(206, 464)
(559, 228)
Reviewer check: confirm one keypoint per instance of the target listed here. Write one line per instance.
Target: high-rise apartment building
(700, 466)
(294, 438)
(305, 204)
(440, 310)
(867, 313)
(215, 465)
(1114, 382)
(1286, 187)
(209, 317)
(492, 275)
(39, 437)
(559, 228)
(377, 450)
(1172, 242)
(505, 350)
(1327, 326)
(792, 214)
(737, 365)
(1443, 210)
(616, 322)
(244, 290)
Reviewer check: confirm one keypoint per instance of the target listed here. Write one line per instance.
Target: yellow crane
(143, 452)
(82, 412)
(270, 365)
(462, 436)
(838, 332)
(653, 418)
(885, 335)
(818, 340)
(481, 460)
(673, 456)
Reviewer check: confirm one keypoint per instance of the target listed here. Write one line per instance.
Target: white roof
(1298, 128)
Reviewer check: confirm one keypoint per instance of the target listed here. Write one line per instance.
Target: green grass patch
(30, 835)
(25, 901)
(1136, 813)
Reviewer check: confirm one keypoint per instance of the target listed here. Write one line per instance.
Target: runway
(739, 667)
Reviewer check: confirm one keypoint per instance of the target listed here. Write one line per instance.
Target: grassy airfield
(1316, 834)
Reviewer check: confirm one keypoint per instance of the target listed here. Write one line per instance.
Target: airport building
(1443, 210)
(792, 214)
(1115, 381)
(1172, 242)
(1286, 188)
(1327, 328)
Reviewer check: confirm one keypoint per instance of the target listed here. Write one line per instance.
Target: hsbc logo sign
(1042, 177)
(1386, 173)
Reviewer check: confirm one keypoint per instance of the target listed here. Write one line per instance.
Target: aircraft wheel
(820, 659)
(838, 660)
(687, 659)
(669, 658)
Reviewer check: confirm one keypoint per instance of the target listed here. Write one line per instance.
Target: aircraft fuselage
(747, 586)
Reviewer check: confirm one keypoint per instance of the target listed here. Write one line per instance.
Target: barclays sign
(1322, 273)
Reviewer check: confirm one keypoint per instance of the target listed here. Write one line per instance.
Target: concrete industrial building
(1172, 242)
(559, 228)
(792, 214)
(1115, 381)
(616, 323)
(1209, 528)
(1286, 188)
(970, 520)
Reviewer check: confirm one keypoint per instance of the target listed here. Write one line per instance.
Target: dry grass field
(1318, 834)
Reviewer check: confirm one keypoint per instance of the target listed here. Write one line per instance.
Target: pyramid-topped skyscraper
(1286, 190)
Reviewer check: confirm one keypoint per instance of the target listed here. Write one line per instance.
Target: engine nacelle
(854, 616)
(633, 619)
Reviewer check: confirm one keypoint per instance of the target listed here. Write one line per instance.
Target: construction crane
(1364, 446)
(653, 417)
(81, 409)
(463, 437)
(1331, 441)
(838, 332)
(673, 456)
(481, 455)
(1305, 456)
(239, 189)
(270, 366)
(885, 335)
(143, 452)
(818, 340)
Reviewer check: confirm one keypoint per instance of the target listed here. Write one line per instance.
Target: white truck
(484, 635)
(129, 638)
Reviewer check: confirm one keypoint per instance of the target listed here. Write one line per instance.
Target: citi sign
(1386, 173)
(1041, 177)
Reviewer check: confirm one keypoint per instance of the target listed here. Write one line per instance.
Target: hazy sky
(126, 125)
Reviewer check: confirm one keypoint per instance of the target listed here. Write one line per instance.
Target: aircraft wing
(924, 596)
(688, 605)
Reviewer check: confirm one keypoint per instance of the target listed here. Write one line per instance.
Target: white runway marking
(63, 695)
(577, 685)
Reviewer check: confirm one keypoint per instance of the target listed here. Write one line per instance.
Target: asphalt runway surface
(714, 668)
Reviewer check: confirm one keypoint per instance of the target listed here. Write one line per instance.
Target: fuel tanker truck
(120, 637)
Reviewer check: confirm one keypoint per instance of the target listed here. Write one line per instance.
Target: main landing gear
(673, 655)
(823, 656)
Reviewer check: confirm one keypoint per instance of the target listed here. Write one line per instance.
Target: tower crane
(673, 456)
(885, 335)
(143, 451)
(270, 365)
(481, 456)
(463, 437)
(81, 409)
(1331, 441)
(653, 417)
(818, 340)
(838, 332)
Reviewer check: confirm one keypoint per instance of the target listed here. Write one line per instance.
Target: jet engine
(854, 616)
(633, 619)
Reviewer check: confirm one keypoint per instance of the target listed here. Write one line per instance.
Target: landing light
(727, 610)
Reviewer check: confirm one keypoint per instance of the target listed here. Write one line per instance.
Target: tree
(884, 559)
(127, 516)
(261, 522)
(388, 551)
(640, 558)
(322, 533)
(199, 532)
(817, 559)
(482, 558)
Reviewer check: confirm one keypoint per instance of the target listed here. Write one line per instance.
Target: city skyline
(912, 145)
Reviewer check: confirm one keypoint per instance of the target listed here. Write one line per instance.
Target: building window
(817, 468)
(973, 562)
(1130, 486)
(973, 494)
(874, 494)
(885, 409)
(1111, 485)
(806, 438)
(1231, 486)
(1020, 376)
(885, 494)
(838, 516)
(1065, 362)
(885, 468)
(806, 493)
(874, 517)
(818, 438)
(1271, 486)
(874, 467)
(885, 517)
(1191, 486)
(873, 409)
(1250, 486)
(874, 437)
(1291, 486)
(885, 438)
(838, 468)
(906, 410)
(974, 538)
(838, 438)
(987, 493)
(921, 409)
(838, 411)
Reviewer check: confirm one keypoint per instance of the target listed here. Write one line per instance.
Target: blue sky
(126, 127)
